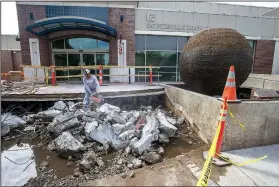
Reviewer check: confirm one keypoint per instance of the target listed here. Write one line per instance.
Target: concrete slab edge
(194, 169)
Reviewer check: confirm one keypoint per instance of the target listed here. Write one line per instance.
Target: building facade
(10, 54)
(135, 34)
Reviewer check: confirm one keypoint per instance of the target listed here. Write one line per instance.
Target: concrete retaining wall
(262, 81)
(260, 118)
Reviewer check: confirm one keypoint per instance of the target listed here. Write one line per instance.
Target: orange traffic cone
(230, 89)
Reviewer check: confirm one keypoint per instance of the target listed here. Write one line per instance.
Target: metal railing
(47, 71)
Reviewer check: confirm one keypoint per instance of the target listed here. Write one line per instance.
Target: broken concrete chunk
(11, 121)
(137, 163)
(106, 108)
(119, 128)
(145, 142)
(51, 146)
(132, 120)
(126, 115)
(92, 114)
(105, 135)
(79, 138)
(180, 121)
(160, 151)
(88, 119)
(171, 120)
(136, 114)
(118, 119)
(163, 138)
(88, 161)
(5, 130)
(133, 141)
(100, 162)
(64, 117)
(60, 105)
(29, 128)
(165, 126)
(79, 114)
(90, 127)
(146, 108)
(59, 127)
(66, 143)
(151, 157)
(70, 104)
(151, 126)
(127, 135)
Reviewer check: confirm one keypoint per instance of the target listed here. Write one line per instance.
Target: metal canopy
(45, 26)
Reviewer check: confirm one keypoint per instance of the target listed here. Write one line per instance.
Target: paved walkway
(261, 173)
(79, 88)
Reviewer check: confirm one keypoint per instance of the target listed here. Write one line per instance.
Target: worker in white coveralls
(91, 86)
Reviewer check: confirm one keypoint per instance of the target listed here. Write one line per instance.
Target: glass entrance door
(89, 60)
(74, 60)
(80, 59)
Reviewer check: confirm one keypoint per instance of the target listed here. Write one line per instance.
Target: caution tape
(243, 163)
(206, 170)
(236, 120)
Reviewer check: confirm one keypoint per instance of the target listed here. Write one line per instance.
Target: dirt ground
(170, 172)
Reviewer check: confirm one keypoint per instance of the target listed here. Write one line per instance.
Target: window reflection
(163, 59)
(103, 44)
(81, 43)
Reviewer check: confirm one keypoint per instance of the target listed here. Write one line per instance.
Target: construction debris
(9, 122)
(136, 138)
(24, 87)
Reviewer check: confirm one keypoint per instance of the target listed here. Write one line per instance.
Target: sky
(9, 24)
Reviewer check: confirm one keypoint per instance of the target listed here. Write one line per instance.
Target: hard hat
(86, 71)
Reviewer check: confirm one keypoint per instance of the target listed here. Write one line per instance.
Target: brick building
(135, 33)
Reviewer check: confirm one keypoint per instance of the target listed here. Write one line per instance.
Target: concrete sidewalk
(262, 173)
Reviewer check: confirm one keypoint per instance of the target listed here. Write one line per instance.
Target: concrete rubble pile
(24, 87)
(136, 137)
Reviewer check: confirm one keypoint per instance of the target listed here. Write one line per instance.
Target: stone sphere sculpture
(206, 58)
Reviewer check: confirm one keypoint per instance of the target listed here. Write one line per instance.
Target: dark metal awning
(48, 25)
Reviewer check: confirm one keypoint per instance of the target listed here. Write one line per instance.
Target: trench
(58, 164)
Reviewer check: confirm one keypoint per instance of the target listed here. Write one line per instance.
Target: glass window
(163, 58)
(89, 60)
(251, 43)
(140, 42)
(161, 43)
(58, 44)
(103, 44)
(61, 60)
(181, 42)
(81, 43)
(102, 59)
(74, 60)
(140, 61)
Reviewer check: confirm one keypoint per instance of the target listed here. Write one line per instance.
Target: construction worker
(91, 85)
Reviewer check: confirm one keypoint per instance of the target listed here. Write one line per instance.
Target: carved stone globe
(206, 58)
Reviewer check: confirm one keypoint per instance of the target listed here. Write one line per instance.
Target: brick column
(264, 53)
(23, 14)
(126, 29)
